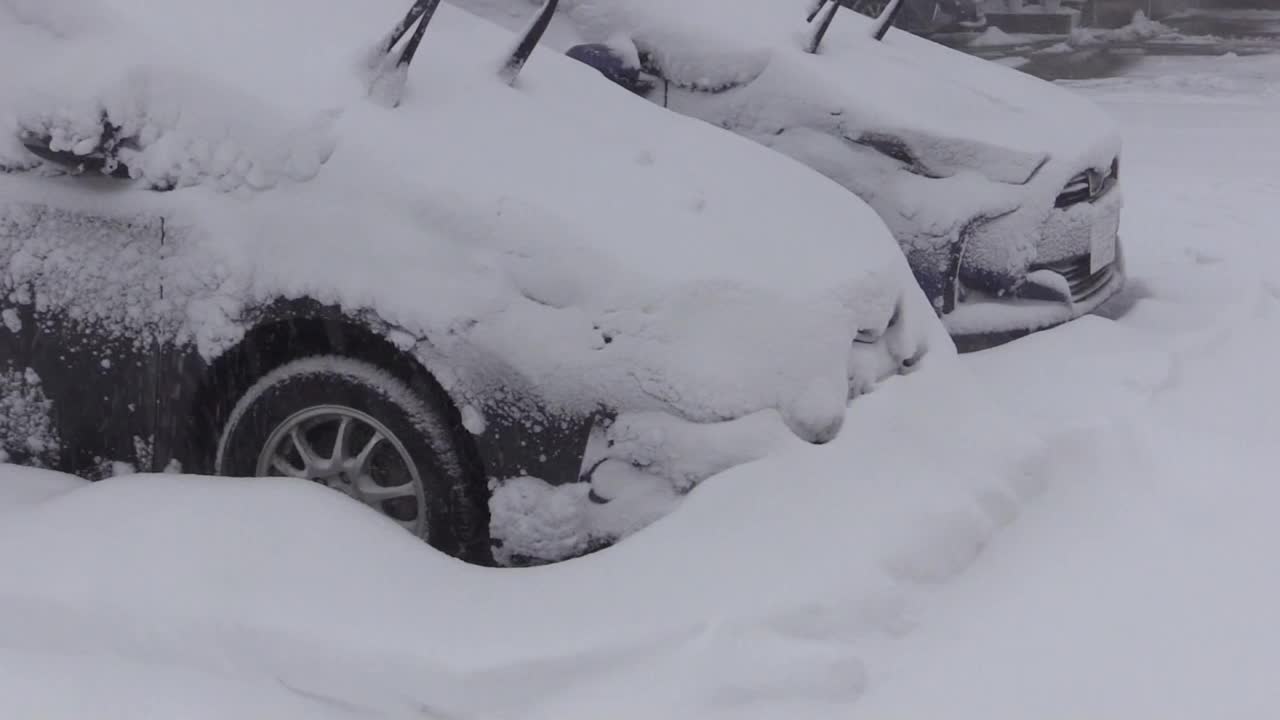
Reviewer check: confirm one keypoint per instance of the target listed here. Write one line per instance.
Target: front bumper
(983, 323)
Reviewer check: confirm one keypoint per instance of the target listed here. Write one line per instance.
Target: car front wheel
(352, 427)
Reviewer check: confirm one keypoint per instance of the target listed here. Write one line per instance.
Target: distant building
(1061, 16)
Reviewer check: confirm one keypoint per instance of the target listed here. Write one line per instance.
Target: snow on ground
(995, 37)
(1144, 583)
(1235, 81)
(1077, 524)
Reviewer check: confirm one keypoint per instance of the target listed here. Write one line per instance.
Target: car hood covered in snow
(953, 111)
(559, 238)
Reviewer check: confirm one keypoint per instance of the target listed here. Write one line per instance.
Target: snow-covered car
(235, 240)
(1000, 188)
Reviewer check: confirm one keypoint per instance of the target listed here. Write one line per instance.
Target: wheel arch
(289, 330)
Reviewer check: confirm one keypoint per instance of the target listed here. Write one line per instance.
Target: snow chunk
(473, 420)
(685, 56)
(27, 433)
(622, 45)
(174, 129)
(531, 520)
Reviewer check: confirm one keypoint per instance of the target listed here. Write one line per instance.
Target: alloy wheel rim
(352, 452)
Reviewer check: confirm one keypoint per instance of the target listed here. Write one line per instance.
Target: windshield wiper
(422, 10)
(387, 82)
(532, 34)
(389, 77)
(883, 21)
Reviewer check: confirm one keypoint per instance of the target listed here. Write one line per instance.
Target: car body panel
(133, 398)
(100, 386)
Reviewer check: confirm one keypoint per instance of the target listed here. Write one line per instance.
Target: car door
(79, 291)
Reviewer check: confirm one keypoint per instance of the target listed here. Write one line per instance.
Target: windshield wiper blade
(883, 21)
(421, 13)
(532, 34)
(388, 78)
(824, 23)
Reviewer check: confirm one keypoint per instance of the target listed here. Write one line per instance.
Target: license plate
(1102, 247)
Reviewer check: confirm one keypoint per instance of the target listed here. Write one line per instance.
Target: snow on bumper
(990, 321)
(1078, 266)
(636, 466)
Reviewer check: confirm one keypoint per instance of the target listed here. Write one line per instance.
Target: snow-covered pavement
(1077, 524)
(1144, 584)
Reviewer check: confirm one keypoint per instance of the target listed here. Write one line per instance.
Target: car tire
(353, 427)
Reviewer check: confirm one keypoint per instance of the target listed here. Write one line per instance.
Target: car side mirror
(103, 159)
(612, 65)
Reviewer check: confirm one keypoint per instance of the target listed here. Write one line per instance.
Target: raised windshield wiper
(387, 83)
(389, 77)
(422, 10)
(532, 34)
(883, 21)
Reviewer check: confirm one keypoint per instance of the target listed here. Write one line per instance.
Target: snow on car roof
(530, 221)
(903, 84)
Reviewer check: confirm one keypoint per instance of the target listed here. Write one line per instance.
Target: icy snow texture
(544, 249)
(27, 433)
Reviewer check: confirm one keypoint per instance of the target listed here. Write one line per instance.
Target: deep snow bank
(1143, 584)
(111, 688)
(759, 590)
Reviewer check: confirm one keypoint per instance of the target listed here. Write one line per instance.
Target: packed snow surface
(1144, 585)
(560, 237)
(1079, 524)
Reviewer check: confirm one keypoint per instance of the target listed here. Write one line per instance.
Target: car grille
(1088, 185)
(1076, 272)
